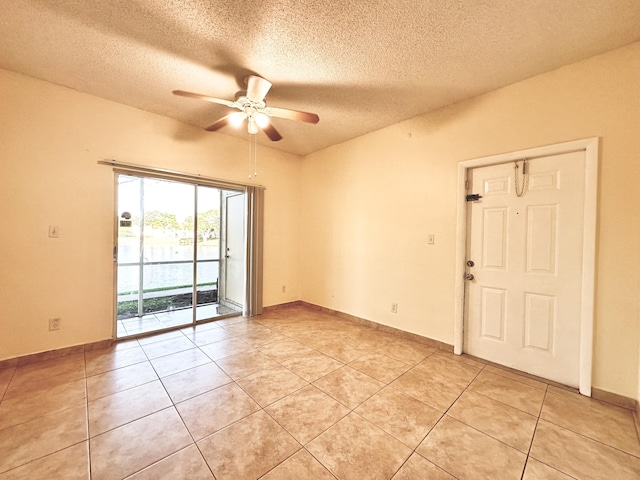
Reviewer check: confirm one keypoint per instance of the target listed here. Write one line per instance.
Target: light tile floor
(298, 394)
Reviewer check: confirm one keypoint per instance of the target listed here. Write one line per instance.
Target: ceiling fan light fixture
(237, 118)
(262, 120)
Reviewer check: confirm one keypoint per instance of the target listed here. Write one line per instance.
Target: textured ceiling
(360, 65)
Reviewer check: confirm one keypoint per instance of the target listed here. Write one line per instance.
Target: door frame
(187, 179)
(591, 148)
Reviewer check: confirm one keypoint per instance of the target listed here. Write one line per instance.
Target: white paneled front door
(522, 307)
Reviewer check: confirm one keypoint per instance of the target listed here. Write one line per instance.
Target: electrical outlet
(394, 308)
(284, 289)
(54, 324)
(54, 231)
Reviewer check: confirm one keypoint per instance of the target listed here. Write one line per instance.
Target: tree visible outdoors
(167, 222)
(208, 224)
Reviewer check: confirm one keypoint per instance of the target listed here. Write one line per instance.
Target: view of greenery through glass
(157, 243)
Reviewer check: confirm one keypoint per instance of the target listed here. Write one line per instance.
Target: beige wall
(369, 204)
(50, 141)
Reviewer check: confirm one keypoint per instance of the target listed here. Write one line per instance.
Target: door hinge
(474, 197)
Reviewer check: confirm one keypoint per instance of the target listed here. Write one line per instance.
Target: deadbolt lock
(470, 263)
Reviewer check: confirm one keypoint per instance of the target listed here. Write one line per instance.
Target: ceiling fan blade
(293, 115)
(271, 132)
(257, 88)
(224, 121)
(206, 98)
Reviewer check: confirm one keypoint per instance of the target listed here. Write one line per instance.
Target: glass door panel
(168, 251)
(155, 254)
(208, 252)
(128, 252)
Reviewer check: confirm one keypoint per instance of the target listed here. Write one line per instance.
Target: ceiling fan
(253, 108)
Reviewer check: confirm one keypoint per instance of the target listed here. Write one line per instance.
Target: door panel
(523, 306)
(541, 239)
(539, 321)
(235, 246)
(494, 239)
(494, 301)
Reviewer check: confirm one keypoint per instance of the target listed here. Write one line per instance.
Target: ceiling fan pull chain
(250, 156)
(255, 155)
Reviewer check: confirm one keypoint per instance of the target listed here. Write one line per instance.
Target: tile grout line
(592, 439)
(535, 430)
(4, 393)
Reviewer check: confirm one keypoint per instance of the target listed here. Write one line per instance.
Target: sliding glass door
(167, 254)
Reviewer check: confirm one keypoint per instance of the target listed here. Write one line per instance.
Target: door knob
(469, 276)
